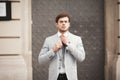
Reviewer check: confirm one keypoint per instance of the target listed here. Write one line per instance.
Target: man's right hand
(57, 46)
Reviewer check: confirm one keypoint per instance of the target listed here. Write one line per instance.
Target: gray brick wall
(87, 22)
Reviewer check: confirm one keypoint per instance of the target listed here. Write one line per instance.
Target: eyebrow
(64, 21)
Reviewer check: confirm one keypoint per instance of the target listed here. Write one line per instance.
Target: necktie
(63, 50)
(62, 36)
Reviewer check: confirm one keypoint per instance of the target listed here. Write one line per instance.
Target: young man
(62, 50)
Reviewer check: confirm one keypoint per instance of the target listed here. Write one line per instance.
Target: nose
(64, 22)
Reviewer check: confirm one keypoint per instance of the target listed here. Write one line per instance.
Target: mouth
(63, 26)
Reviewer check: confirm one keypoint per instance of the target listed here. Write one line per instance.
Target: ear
(56, 24)
(69, 24)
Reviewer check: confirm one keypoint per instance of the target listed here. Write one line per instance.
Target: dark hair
(61, 16)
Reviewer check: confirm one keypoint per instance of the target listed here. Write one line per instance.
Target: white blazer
(74, 51)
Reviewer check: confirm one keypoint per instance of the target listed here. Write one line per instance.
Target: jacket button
(60, 59)
(59, 67)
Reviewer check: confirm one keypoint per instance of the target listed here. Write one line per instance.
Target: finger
(57, 45)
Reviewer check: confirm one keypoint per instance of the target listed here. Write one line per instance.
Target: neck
(62, 32)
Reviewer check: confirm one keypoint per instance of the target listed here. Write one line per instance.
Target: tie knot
(62, 35)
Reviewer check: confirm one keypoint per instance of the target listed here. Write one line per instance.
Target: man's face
(63, 24)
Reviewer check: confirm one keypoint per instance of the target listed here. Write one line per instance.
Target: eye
(61, 21)
(65, 21)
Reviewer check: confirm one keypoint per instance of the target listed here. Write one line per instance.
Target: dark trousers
(62, 77)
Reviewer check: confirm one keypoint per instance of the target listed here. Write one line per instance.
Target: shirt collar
(65, 34)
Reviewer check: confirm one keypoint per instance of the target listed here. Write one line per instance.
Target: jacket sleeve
(45, 54)
(77, 50)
